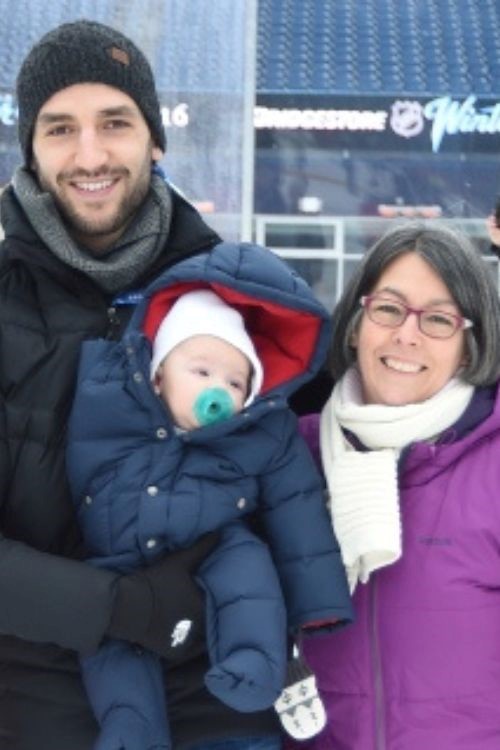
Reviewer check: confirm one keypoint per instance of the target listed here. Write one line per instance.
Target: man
(88, 223)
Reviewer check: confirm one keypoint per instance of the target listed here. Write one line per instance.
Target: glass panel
(321, 275)
(363, 183)
(349, 268)
(301, 236)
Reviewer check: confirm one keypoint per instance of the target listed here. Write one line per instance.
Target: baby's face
(196, 364)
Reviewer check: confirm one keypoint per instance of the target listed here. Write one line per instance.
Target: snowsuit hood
(289, 327)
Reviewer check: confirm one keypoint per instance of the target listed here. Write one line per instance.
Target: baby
(182, 428)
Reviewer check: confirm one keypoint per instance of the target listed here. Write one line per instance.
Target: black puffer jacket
(51, 604)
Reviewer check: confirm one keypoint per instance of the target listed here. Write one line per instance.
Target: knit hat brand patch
(120, 55)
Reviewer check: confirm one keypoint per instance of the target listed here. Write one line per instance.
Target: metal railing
(326, 249)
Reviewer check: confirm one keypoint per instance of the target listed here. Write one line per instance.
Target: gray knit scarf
(126, 261)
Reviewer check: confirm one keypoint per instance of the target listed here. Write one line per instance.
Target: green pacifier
(213, 405)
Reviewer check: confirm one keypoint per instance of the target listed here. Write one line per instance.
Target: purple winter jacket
(420, 667)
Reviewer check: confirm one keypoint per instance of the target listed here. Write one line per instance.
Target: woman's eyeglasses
(391, 313)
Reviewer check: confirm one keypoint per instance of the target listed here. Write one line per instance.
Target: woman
(410, 447)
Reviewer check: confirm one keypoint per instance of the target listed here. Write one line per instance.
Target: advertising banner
(441, 124)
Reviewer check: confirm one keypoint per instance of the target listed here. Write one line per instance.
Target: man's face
(92, 150)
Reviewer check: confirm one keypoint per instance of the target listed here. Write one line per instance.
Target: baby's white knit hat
(202, 312)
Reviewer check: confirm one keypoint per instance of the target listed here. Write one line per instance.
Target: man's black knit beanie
(84, 52)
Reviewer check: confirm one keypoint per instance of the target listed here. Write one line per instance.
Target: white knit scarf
(363, 486)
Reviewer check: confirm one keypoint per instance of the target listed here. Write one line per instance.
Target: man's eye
(59, 130)
(116, 124)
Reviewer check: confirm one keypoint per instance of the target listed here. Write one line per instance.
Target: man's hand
(161, 607)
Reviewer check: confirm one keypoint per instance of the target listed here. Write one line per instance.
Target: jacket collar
(188, 235)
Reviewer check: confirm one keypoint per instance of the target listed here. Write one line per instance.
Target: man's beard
(82, 227)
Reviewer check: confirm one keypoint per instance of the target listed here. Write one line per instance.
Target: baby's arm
(301, 536)
(246, 622)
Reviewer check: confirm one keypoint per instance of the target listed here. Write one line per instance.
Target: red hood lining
(285, 339)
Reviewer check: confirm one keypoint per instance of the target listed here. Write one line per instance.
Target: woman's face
(402, 365)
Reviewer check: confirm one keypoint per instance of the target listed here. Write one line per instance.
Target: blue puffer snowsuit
(142, 489)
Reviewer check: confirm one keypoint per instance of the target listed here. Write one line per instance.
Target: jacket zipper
(113, 323)
(378, 686)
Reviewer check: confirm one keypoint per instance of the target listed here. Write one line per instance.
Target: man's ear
(156, 154)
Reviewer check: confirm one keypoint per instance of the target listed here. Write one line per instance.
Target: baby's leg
(126, 690)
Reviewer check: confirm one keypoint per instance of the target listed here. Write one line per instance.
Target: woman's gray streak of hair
(460, 266)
